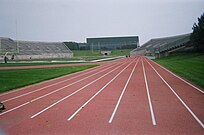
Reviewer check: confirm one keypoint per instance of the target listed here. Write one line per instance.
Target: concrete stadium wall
(43, 56)
(138, 53)
(106, 52)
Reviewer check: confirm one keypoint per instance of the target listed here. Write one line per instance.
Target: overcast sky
(75, 20)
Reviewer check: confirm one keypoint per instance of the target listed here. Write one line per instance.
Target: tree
(72, 45)
(197, 37)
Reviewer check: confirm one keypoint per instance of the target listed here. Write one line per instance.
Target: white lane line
(10, 92)
(149, 98)
(70, 84)
(14, 108)
(48, 86)
(53, 91)
(79, 109)
(35, 115)
(180, 78)
(117, 105)
(191, 112)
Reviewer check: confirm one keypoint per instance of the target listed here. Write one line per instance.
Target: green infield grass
(121, 52)
(32, 64)
(189, 66)
(86, 53)
(95, 53)
(12, 79)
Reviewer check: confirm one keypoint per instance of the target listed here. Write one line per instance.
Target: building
(113, 43)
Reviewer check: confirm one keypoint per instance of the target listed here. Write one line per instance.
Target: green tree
(197, 37)
(72, 45)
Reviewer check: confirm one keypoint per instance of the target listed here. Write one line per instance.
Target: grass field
(97, 53)
(30, 64)
(87, 53)
(189, 66)
(12, 79)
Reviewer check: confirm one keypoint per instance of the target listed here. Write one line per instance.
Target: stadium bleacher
(7, 45)
(34, 50)
(162, 45)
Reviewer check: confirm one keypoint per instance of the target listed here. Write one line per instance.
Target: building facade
(113, 43)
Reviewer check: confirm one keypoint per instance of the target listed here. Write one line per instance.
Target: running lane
(19, 93)
(191, 96)
(34, 104)
(134, 96)
(57, 115)
(30, 88)
(132, 116)
(171, 115)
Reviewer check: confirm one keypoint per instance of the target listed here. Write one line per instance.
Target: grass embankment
(12, 79)
(189, 66)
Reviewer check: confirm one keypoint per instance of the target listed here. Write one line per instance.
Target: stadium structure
(113, 43)
(33, 49)
(162, 46)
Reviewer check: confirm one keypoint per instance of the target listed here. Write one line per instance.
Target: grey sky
(74, 20)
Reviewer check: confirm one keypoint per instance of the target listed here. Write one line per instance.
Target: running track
(129, 96)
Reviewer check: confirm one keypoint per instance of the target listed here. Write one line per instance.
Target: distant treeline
(72, 45)
(77, 46)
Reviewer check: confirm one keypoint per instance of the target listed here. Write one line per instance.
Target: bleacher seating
(161, 45)
(34, 50)
(7, 45)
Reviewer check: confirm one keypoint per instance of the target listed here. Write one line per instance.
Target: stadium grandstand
(33, 49)
(162, 46)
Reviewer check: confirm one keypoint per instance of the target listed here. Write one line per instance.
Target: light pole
(0, 44)
(17, 42)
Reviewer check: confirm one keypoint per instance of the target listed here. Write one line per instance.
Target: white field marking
(148, 95)
(48, 86)
(26, 87)
(191, 112)
(35, 115)
(117, 105)
(52, 92)
(14, 108)
(180, 78)
(79, 109)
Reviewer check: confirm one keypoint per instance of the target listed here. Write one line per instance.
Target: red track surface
(111, 99)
